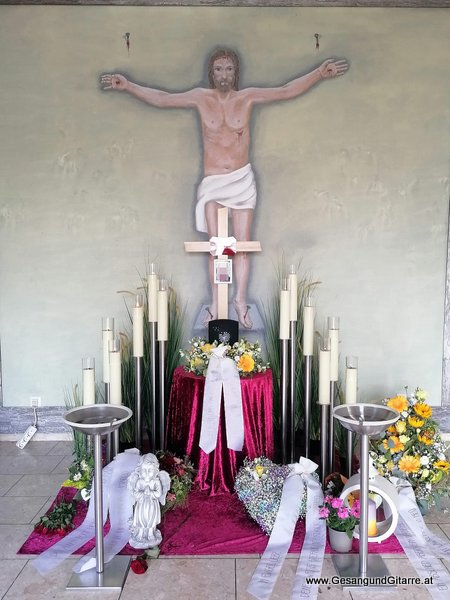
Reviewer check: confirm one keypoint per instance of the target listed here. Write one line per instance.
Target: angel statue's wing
(164, 477)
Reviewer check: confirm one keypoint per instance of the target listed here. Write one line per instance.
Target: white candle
(308, 328)
(293, 299)
(152, 295)
(284, 312)
(324, 376)
(138, 327)
(88, 366)
(163, 312)
(107, 337)
(351, 380)
(333, 332)
(115, 390)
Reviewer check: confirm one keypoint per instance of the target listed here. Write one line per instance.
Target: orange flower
(415, 422)
(397, 447)
(423, 410)
(399, 403)
(391, 429)
(409, 464)
(443, 465)
(246, 363)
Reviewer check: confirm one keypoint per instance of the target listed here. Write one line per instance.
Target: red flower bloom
(139, 565)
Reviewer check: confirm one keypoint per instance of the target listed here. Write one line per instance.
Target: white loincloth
(233, 190)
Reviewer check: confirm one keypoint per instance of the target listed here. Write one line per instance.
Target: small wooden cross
(222, 232)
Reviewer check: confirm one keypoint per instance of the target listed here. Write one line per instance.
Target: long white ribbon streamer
(311, 557)
(222, 373)
(422, 547)
(57, 553)
(120, 511)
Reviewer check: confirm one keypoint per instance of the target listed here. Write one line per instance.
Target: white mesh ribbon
(313, 549)
(113, 476)
(217, 245)
(222, 374)
(422, 547)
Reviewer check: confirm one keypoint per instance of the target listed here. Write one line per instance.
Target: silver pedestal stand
(365, 420)
(284, 383)
(97, 420)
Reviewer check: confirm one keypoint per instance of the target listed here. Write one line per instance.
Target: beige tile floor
(29, 479)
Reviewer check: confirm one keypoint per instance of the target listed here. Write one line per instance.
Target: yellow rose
(399, 403)
(390, 465)
(197, 362)
(415, 422)
(404, 439)
(421, 395)
(423, 410)
(400, 426)
(206, 348)
(259, 470)
(246, 363)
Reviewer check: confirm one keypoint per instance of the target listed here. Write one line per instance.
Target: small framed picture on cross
(223, 271)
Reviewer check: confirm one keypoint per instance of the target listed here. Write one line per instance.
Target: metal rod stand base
(347, 566)
(113, 577)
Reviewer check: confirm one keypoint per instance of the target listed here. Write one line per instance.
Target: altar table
(216, 471)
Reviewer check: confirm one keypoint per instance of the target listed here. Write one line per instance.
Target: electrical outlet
(35, 401)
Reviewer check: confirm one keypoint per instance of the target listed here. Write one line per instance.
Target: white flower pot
(339, 540)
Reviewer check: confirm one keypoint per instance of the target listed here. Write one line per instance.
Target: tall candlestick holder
(293, 309)
(307, 411)
(364, 420)
(333, 334)
(107, 337)
(153, 382)
(351, 397)
(308, 350)
(97, 420)
(284, 369)
(152, 294)
(163, 336)
(138, 356)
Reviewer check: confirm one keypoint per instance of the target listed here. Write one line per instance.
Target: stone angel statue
(149, 486)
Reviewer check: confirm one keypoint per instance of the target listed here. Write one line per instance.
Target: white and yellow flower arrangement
(412, 448)
(246, 355)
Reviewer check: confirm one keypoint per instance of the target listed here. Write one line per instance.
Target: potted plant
(341, 521)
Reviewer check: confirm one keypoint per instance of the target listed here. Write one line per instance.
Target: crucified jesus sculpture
(225, 113)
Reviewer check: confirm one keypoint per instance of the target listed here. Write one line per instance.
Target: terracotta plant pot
(339, 540)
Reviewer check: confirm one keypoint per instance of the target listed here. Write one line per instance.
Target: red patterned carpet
(207, 525)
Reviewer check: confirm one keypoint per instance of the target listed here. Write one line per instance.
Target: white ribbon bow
(313, 549)
(222, 373)
(218, 244)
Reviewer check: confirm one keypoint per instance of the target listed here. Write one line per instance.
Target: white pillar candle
(293, 290)
(351, 380)
(115, 390)
(308, 328)
(88, 367)
(324, 376)
(372, 518)
(152, 295)
(163, 312)
(333, 332)
(107, 337)
(138, 327)
(284, 311)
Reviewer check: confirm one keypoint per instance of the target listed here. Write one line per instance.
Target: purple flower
(323, 512)
(337, 502)
(354, 511)
(342, 512)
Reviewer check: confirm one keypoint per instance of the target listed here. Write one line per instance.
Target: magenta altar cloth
(216, 471)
